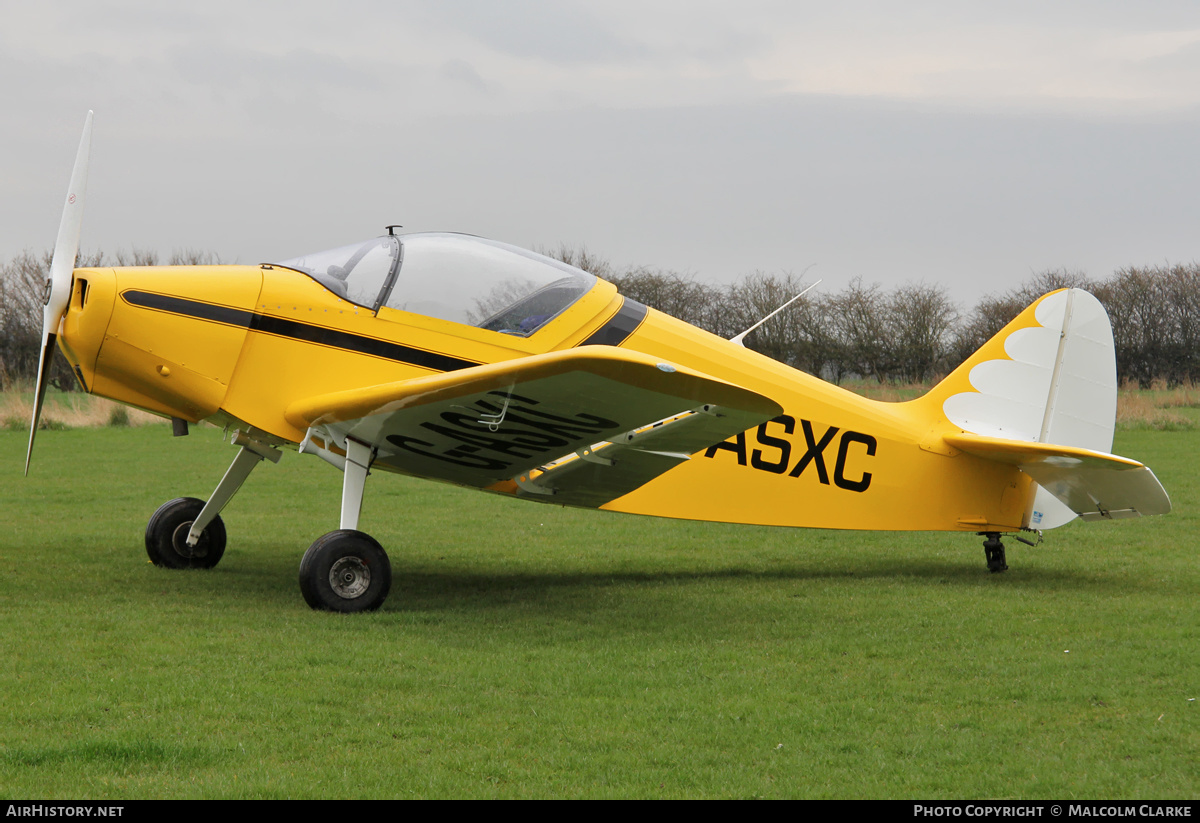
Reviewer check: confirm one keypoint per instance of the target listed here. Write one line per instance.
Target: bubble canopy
(453, 277)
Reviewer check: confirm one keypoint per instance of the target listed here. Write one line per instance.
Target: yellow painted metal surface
(87, 319)
(245, 343)
(300, 351)
(161, 359)
(833, 460)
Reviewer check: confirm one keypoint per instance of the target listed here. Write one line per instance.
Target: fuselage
(237, 345)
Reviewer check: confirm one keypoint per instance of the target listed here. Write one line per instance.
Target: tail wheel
(993, 550)
(345, 571)
(167, 531)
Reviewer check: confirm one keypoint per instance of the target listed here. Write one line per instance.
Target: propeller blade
(62, 267)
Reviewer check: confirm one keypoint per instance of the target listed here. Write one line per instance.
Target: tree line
(912, 333)
(22, 295)
(915, 333)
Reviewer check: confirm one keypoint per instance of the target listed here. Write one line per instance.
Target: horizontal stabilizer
(1094, 485)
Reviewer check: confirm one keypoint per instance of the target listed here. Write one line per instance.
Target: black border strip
(295, 330)
(622, 324)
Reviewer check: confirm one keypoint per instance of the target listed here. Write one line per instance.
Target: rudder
(1049, 376)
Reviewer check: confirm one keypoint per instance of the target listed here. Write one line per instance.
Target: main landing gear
(343, 571)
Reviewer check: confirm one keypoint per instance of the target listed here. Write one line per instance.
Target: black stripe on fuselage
(189, 308)
(623, 323)
(295, 330)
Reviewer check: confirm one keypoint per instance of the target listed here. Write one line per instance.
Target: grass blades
(534, 651)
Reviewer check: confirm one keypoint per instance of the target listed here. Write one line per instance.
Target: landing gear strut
(993, 549)
(187, 533)
(343, 571)
(346, 570)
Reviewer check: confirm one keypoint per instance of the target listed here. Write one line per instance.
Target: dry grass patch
(1185, 396)
(886, 392)
(70, 410)
(1151, 410)
(1155, 409)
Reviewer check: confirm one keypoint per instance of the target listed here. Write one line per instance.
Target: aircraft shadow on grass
(429, 590)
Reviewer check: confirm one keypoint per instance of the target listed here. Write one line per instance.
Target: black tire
(167, 531)
(993, 550)
(345, 571)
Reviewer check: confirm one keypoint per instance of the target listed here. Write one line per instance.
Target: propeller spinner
(62, 267)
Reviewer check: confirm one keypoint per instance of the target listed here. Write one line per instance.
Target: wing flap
(1094, 485)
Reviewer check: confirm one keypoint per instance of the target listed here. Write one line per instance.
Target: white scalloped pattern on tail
(1059, 386)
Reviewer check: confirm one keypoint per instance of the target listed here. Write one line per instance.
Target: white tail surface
(1058, 385)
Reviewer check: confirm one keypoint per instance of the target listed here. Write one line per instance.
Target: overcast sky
(966, 144)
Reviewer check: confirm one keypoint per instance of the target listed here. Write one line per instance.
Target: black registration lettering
(460, 457)
(738, 447)
(776, 451)
(839, 470)
(815, 453)
(494, 436)
(780, 464)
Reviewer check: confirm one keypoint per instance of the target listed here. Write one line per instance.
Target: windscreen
(359, 272)
(453, 277)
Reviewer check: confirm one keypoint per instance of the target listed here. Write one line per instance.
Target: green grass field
(534, 651)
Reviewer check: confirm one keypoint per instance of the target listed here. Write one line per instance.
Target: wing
(1094, 485)
(578, 427)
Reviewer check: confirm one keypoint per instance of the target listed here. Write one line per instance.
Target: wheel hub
(179, 541)
(349, 577)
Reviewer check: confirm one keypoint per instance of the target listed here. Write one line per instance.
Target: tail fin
(1050, 377)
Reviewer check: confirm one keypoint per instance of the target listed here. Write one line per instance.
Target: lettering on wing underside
(494, 436)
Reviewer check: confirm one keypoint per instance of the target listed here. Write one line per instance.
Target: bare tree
(136, 257)
(677, 295)
(22, 296)
(193, 257)
(861, 328)
(581, 258)
(920, 319)
(1183, 299)
(994, 312)
(1047, 281)
(797, 336)
(1155, 314)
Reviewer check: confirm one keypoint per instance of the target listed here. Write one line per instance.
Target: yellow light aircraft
(460, 359)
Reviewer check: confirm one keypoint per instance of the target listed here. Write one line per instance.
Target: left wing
(625, 416)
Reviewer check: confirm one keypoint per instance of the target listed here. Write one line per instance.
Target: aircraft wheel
(345, 571)
(993, 550)
(167, 531)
